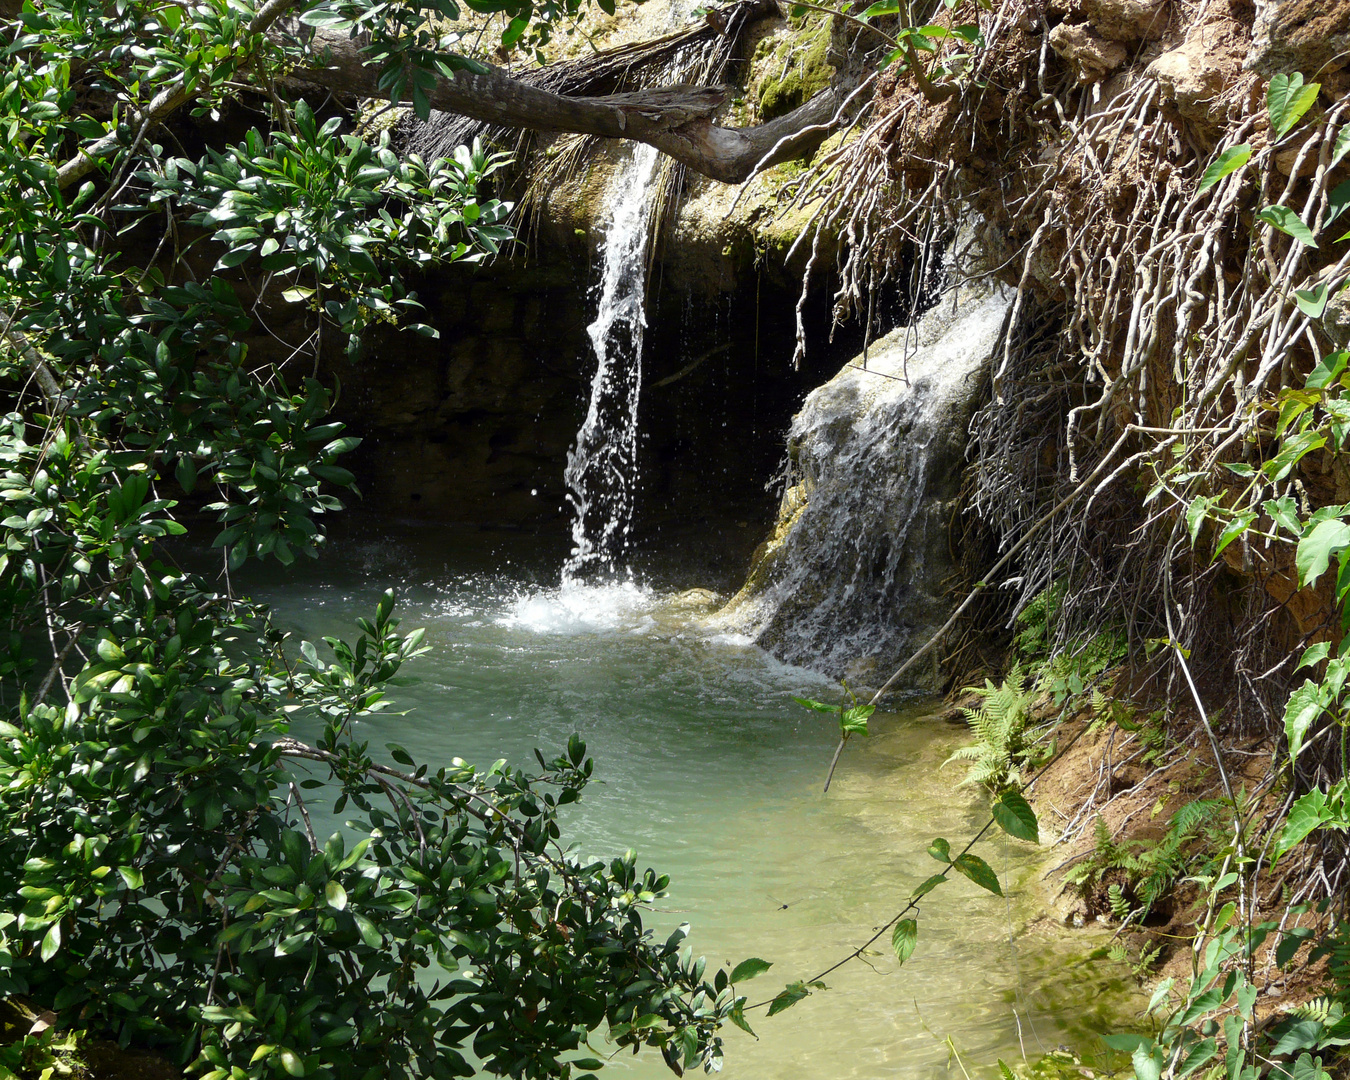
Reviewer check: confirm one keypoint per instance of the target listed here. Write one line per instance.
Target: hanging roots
(1143, 306)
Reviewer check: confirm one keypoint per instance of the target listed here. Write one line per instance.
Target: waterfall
(602, 468)
(854, 575)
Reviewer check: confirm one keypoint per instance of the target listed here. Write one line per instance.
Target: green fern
(1151, 869)
(1324, 1010)
(1000, 752)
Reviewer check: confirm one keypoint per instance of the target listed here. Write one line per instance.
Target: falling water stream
(602, 468)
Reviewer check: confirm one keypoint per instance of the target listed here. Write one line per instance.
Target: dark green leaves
(979, 871)
(1015, 817)
(749, 968)
(793, 993)
(903, 939)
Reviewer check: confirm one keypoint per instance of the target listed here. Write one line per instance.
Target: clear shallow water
(706, 767)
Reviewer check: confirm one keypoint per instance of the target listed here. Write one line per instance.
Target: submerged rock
(853, 576)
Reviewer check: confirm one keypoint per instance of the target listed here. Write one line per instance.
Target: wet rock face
(852, 579)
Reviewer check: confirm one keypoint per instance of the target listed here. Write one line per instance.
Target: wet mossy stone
(806, 75)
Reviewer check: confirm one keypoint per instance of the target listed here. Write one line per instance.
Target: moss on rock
(797, 70)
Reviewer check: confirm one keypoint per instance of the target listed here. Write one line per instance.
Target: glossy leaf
(1304, 707)
(1287, 99)
(1317, 547)
(1015, 817)
(903, 939)
(1225, 164)
(979, 871)
(1288, 222)
(749, 968)
(1312, 302)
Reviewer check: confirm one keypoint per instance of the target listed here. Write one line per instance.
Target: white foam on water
(576, 608)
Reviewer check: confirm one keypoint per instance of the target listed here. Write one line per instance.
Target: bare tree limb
(675, 119)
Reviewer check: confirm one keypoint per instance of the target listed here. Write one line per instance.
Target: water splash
(575, 608)
(602, 468)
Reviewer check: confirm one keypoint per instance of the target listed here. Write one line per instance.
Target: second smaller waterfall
(853, 578)
(602, 468)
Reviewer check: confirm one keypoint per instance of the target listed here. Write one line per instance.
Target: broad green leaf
(1310, 812)
(854, 720)
(881, 7)
(1196, 514)
(1160, 996)
(369, 933)
(793, 993)
(1147, 1065)
(51, 941)
(978, 871)
(1312, 302)
(1301, 711)
(1294, 450)
(186, 473)
(928, 886)
(1308, 1067)
(1202, 1054)
(1016, 817)
(514, 29)
(940, 850)
(1341, 146)
(1302, 1035)
(1283, 512)
(1233, 530)
(1337, 201)
(890, 58)
(903, 939)
(1288, 222)
(1317, 547)
(1287, 99)
(818, 706)
(1126, 1043)
(1313, 655)
(1228, 162)
(134, 878)
(749, 968)
(1328, 370)
(290, 1061)
(336, 895)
